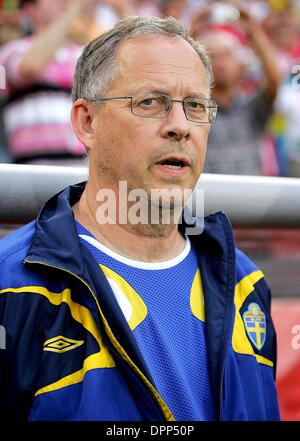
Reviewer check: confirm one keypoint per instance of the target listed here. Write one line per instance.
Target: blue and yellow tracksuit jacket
(67, 352)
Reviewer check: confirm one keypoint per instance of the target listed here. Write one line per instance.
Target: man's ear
(82, 115)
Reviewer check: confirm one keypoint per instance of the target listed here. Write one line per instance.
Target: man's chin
(170, 197)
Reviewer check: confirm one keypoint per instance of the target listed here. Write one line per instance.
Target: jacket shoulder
(244, 265)
(250, 280)
(16, 241)
(13, 249)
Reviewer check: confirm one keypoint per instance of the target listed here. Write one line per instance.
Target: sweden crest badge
(255, 324)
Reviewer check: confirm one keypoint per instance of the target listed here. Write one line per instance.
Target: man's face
(131, 148)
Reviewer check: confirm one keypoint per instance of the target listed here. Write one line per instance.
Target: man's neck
(148, 243)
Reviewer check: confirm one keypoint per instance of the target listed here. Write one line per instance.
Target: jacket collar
(56, 243)
(56, 240)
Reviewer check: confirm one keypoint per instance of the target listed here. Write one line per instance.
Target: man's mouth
(174, 163)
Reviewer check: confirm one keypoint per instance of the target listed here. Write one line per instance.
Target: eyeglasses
(158, 105)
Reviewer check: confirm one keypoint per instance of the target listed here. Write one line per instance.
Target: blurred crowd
(255, 51)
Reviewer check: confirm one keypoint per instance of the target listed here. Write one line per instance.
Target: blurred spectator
(284, 125)
(235, 140)
(10, 29)
(283, 27)
(11, 24)
(39, 73)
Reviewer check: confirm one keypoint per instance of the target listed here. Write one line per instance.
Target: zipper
(222, 380)
(228, 331)
(117, 347)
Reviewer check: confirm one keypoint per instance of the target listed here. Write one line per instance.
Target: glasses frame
(213, 105)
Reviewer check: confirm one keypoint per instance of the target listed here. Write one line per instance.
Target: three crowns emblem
(255, 324)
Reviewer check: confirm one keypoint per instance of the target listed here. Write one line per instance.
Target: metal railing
(247, 200)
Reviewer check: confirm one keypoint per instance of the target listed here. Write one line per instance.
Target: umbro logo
(61, 344)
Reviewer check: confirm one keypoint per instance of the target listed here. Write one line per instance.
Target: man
(126, 320)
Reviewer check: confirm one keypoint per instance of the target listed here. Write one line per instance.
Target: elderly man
(110, 316)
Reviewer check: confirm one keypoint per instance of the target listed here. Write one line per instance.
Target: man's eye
(147, 101)
(195, 105)
(151, 101)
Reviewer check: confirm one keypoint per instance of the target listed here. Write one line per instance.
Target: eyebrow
(164, 92)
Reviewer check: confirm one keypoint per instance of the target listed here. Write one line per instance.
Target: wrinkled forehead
(157, 50)
(163, 63)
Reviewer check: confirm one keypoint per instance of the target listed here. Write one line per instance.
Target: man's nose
(175, 125)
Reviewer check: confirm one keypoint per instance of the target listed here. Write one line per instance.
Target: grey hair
(96, 67)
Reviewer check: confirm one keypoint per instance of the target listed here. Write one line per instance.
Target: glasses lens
(200, 110)
(212, 112)
(150, 105)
